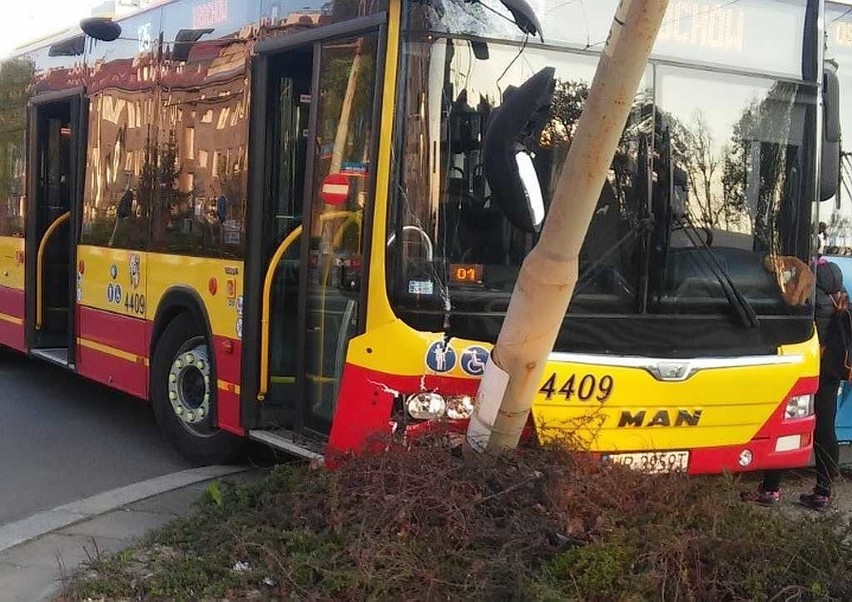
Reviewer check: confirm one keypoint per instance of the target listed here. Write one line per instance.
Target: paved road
(63, 438)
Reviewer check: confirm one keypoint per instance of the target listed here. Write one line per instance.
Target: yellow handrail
(39, 318)
(264, 316)
(263, 385)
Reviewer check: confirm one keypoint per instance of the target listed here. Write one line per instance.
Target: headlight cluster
(431, 406)
(799, 406)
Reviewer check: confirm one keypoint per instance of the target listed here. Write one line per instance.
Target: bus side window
(203, 137)
(16, 76)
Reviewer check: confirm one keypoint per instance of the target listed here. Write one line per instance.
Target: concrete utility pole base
(549, 273)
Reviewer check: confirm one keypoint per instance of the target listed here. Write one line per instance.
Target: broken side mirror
(103, 29)
(512, 130)
(830, 160)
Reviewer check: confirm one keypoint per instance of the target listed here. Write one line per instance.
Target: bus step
(289, 441)
(58, 356)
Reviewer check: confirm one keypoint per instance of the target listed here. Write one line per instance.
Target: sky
(25, 20)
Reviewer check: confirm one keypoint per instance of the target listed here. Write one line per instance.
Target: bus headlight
(799, 406)
(426, 406)
(459, 407)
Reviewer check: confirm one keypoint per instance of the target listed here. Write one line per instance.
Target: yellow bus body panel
(734, 403)
(11, 270)
(158, 274)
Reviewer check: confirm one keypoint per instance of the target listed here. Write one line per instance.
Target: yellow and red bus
(276, 223)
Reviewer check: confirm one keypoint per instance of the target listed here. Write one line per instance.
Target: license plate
(652, 462)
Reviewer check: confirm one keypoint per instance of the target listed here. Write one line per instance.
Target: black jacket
(829, 281)
(833, 327)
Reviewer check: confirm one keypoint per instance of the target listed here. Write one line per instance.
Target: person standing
(822, 238)
(831, 303)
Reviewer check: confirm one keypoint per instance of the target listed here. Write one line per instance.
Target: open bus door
(312, 144)
(281, 101)
(54, 186)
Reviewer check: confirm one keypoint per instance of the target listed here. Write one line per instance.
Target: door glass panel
(290, 102)
(55, 192)
(342, 163)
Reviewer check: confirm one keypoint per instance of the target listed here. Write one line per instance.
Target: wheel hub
(189, 385)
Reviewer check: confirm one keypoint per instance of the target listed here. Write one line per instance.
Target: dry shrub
(422, 523)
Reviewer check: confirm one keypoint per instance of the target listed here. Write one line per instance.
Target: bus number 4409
(134, 303)
(584, 388)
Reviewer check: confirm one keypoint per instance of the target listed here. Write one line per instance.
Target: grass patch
(423, 524)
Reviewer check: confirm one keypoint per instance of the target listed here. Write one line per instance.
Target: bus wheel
(183, 393)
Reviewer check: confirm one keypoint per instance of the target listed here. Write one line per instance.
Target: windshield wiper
(745, 312)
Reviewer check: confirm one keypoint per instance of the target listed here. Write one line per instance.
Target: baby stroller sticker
(440, 357)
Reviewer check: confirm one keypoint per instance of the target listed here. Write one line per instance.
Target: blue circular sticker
(440, 357)
(473, 360)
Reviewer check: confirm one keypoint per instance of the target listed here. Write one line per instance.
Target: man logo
(661, 418)
(671, 371)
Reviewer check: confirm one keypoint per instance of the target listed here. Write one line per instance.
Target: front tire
(183, 393)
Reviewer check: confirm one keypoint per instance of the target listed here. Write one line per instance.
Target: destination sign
(750, 35)
(707, 24)
(753, 35)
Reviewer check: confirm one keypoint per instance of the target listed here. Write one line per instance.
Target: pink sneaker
(814, 501)
(760, 497)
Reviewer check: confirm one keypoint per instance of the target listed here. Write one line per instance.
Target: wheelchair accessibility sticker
(440, 357)
(473, 361)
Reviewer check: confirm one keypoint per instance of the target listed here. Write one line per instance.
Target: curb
(40, 524)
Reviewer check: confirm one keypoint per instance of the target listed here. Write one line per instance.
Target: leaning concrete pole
(549, 273)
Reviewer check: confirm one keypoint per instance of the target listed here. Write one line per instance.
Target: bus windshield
(699, 193)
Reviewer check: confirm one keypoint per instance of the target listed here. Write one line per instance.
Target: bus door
(314, 109)
(53, 202)
(284, 99)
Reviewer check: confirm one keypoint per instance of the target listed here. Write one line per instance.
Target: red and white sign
(335, 189)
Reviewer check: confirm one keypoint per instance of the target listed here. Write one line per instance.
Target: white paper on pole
(488, 399)
(491, 390)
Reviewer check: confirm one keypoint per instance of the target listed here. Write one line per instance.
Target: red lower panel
(133, 336)
(714, 460)
(365, 404)
(762, 448)
(12, 304)
(121, 374)
(228, 355)
(12, 335)
(120, 332)
(228, 412)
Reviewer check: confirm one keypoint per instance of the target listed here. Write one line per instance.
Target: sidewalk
(38, 553)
